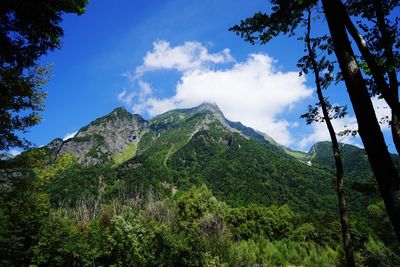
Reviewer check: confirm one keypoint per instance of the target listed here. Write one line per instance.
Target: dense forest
(221, 198)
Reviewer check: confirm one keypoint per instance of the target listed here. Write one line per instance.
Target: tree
(379, 51)
(28, 30)
(22, 211)
(284, 19)
(310, 61)
(370, 133)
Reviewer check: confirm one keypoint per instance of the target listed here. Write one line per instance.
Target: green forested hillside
(356, 165)
(358, 172)
(187, 188)
(355, 160)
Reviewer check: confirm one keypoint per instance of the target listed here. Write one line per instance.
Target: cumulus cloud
(187, 57)
(253, 92)
(69, 135)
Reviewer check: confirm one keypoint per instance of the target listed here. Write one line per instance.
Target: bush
(58, 244)
(281, 253)
(377, 254)
(245, 253)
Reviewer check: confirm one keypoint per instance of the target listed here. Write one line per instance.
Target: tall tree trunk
(388, 43)
(369, 130)
(347, 243)
(388, 92)
(376, 70)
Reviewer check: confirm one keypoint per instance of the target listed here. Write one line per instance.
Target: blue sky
(151, 56)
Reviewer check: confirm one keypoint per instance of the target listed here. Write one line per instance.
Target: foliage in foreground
(189, 228)
(28, 31)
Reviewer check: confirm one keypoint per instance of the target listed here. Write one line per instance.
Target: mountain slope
(124, 186)
(194, 146)
(355, 160)
(103, 139)
(186, 147)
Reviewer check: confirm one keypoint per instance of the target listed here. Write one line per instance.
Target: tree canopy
(286, 16)
(28, 30)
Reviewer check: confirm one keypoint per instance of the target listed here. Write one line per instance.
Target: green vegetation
(189, 228)
(287, 17)
(126, 154)
(296, 154)
(28, 31)
(190, 193)
(355, 160)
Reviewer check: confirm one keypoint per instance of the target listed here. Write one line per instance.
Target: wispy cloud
(126, 97)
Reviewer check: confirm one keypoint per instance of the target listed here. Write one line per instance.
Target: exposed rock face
(113, 134)
(55, 146)
(236, 126)
(103, 138)
(311, 153)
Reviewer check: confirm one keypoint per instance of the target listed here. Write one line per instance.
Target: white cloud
(69, 135)
(126, 97)
(145, 91)
(320, 132)
(252, 92)
(14, 152)
(187, 57)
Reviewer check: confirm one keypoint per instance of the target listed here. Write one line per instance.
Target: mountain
(181, 186)
(355, 160)
(192, 146)
(185, 147)
(114, 137)
(103, 139)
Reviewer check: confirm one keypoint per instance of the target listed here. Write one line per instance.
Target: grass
(297, 154)
(127, 154)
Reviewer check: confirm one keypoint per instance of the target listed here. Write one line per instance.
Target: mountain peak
(119, 113)
(210, 105)
(103, 138)
(119, 109)
(235, 126)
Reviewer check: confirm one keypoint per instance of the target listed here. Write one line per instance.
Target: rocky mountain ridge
(186, 147)
(103, 138)
(108, 137)
(116, 137)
